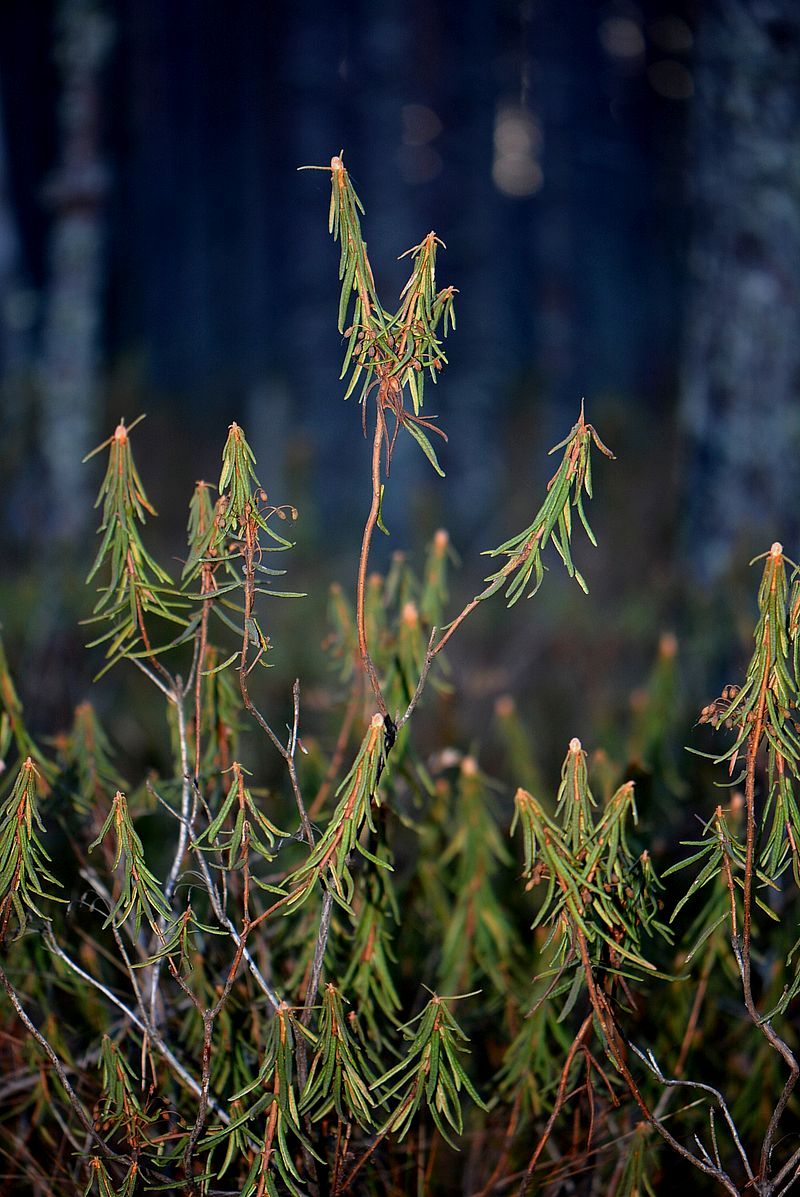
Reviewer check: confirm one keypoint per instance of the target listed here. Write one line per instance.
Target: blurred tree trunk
(17, 314)
(71, 331)
(11, 319)
(741, 370)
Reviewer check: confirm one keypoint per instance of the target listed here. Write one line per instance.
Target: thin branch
(152, 677)
(363, 560)
(310, 998)
(50, 1052)
(186, 796)
(319, 958)
(430, 653)
(676, 1083)
(436, 646)
(209, 1016)
(222, 918)
(338, 754)
(742, 952)
(290, 755)
(614, 1047)
(152, 1033)
(184, 832)
(558, 1103)
(508, 1140)
(286, 751)
(97, 885)
(792, 1162)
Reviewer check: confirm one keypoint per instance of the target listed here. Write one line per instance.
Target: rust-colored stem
(363, 561)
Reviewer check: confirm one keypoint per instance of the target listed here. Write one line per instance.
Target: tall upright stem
(363, 561)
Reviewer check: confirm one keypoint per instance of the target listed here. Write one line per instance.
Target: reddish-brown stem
(269, 1135)
(694, 1015)
(435, 646)
(288, 754)
(510, 566)
(614, 1047)
(577, 1042)
(157, 666)
(765, 1027)
(198, 685)
(726, 866)
(72, 1097)
(207, 587)
(347, 1182)
(750, 803)
(340, 1155)
(209, 1017)
(742, 949)
(363, 561)
(338, 754)
(508, 1140)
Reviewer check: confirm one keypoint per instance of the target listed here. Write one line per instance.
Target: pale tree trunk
(741, 377)
(71, 331)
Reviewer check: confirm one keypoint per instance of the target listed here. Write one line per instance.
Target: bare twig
(184, 832)
(224, 921)
(316, 966)
(152, 1033)
(52, 1055)
(650, 1061)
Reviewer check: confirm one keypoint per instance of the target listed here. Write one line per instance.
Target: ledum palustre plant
(354, 982)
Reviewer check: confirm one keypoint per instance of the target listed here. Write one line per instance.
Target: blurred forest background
(618, 186)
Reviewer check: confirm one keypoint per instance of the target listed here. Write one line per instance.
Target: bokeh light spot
(671, 79)
(621, 37)
(516, 170)
(420, 124)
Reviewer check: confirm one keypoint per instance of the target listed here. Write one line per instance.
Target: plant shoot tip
(410, 614)
(668, 645)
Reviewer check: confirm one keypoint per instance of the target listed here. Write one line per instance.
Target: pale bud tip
(575, 745)
(776, 550)
(410, 614)
(336, 163)
(668, 645)
(377, 719)
(442, 539)
(469, 766)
